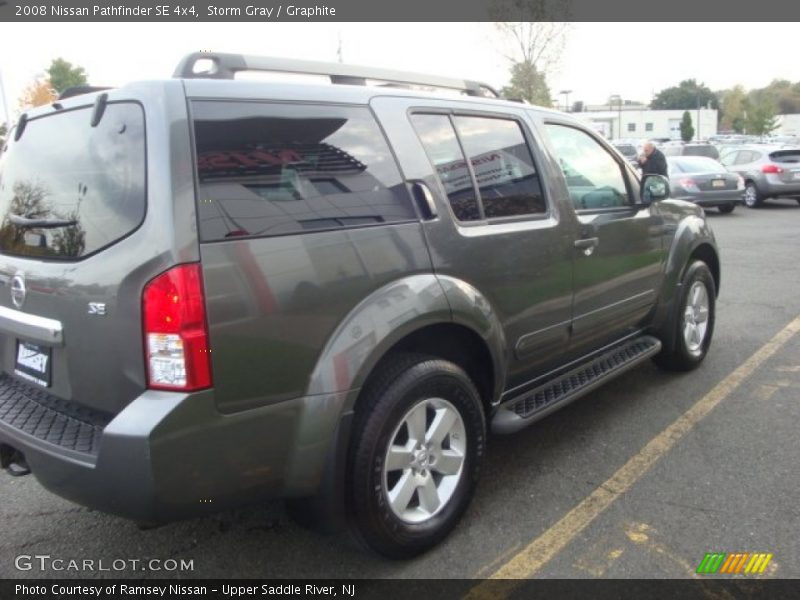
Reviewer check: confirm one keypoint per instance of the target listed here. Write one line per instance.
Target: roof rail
(78, 90)
(225, 66)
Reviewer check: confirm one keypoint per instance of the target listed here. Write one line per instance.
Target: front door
(618, 251)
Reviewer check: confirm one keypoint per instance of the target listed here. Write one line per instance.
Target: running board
(521, 411)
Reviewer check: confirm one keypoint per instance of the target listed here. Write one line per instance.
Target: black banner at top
(255, 11)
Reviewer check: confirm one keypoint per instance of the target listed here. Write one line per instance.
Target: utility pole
(339, 48)
(5, 103)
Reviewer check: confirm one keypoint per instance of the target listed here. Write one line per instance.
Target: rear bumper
(772, 187)
(168, 456)
(715, 198)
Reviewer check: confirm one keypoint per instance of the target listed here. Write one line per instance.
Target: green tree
(63, 75)
(527, 83)
(687, 94)
(761, 117)
(687, 130)
(733, 109)
(3, 132)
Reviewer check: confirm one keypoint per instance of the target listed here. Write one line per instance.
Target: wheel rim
(695, 318)
(750, 196)
(424, 460)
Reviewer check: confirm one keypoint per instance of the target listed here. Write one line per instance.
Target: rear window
(696, 164)
(627, 150)
(708, 151)
(274, 169)
(786, 156)
(68, 189)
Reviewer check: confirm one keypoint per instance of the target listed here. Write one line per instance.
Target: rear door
(79, 238)
(497, 227)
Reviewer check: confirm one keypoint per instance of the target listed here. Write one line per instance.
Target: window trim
(528, 138)
(635, 204)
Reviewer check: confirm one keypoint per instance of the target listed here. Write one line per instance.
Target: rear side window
(274, 169)
(786, 156)
(68, 189)
(500, 179)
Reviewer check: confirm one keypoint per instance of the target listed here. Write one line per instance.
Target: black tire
(726, 209)
(752, 197)
(682, 356)
(403, 383)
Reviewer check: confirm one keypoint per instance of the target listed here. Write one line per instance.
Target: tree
(733, 109)
(534, 42)
(687, 130)
(687, 94)
(3, 132)
(527, 83)
(38, 93)
(761, 118)
(63, 75)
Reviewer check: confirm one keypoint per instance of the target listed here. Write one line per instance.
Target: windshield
(68, 189)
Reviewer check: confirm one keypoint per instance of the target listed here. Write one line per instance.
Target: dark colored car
(705, 182)
(768, 172)
(628, 151)
(690, 149)
(217, 291)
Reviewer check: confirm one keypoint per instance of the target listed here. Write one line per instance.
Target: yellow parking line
(527, 563)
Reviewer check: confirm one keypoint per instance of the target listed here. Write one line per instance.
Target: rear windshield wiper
(43, 223)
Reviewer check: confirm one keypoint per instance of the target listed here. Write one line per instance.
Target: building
(643, 123)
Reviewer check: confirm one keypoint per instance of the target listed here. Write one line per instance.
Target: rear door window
(268, 169)
(484, 164)
(68, 189)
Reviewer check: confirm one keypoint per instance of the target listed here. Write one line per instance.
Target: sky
(634, 60)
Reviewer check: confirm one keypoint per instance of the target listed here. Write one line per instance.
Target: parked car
(328, 294)
(768, 172)
(705, 182)
(629, 151)
(690, 149)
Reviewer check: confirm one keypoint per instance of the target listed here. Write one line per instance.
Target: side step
(521, 411)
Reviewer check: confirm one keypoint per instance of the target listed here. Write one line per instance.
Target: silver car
(768, 172)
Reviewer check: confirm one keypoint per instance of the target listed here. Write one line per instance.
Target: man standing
(653, 160)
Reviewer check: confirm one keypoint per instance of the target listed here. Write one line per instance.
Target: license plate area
(33, 362)
(718, 183)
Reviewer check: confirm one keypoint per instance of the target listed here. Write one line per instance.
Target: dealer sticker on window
(33, 363)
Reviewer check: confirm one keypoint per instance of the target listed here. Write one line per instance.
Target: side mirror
(654, 188)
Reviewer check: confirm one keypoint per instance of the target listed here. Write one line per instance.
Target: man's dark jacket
(655, 163)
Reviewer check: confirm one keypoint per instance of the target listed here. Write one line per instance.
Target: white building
(788, 125)
(648, 124)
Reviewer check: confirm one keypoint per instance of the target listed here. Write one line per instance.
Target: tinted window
(507, 179)
(648, 127)
(627, 150)
(272, 169)
(68, 189)
(501, 166)
(593, 177)
(631, 126)
(437, 135)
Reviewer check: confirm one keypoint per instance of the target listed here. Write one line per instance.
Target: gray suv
(216, 292)
(768, 172)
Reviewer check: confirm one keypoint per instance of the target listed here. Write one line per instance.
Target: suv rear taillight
(176, 331)
(771, 169)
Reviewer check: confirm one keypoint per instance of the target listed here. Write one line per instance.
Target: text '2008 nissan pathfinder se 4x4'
(230, 290)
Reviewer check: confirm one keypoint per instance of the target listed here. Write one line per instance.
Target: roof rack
(225, 66)
(79, 90)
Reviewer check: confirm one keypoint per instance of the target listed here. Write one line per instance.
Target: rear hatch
(79, 239)
(789, 163)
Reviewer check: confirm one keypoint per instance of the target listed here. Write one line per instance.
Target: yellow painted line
(765, 563)
(530, 560)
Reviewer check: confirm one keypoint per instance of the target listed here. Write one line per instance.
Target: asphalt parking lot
(609, 487)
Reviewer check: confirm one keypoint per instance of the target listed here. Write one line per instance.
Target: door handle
(424, 199)
(587, 245)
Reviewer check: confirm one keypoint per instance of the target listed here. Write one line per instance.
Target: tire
(726, 209)
(392, 505)
(692, 324)
(752, 198)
